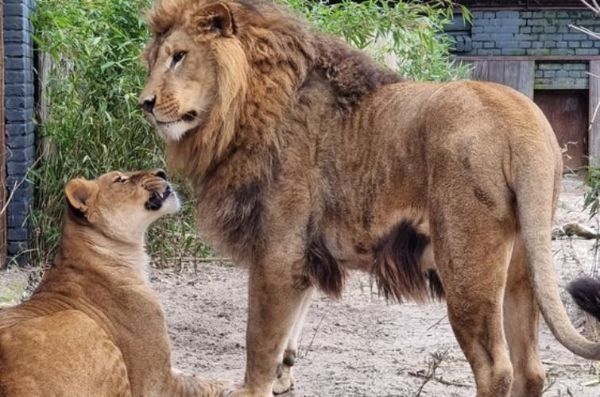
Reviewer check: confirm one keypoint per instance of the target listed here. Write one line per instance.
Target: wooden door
(567, 112)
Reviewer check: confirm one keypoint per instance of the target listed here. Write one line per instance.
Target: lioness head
(197, 67)
(121, 205)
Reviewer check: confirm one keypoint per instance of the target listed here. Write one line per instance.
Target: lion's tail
(586, 293)
(536, 180)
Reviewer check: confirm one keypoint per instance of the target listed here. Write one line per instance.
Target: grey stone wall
(561, 75)
(533, 32)
(19, 110)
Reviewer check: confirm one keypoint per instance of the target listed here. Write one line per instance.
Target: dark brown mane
(351, 73)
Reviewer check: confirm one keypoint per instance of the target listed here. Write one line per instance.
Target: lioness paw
(243, 392)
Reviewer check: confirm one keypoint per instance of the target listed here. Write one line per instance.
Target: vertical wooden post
(594, 114)
(2, 147)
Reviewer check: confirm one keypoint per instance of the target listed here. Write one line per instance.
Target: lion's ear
(214, 18)
(81, 194)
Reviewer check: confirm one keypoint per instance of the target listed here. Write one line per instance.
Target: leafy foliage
(93, 124)
(406, 34)
(591, 202)
(90, 86)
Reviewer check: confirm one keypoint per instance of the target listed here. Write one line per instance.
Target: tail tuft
(586, 293)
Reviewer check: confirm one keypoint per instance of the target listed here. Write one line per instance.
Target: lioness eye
(120, 179)
(178, 57)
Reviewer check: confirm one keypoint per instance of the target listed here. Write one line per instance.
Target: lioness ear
(81, 194)
(214, 18)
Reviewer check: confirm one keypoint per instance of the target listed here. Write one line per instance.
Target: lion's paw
(284, 381)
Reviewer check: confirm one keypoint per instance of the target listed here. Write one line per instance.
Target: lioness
(93, 327)
(310, 160)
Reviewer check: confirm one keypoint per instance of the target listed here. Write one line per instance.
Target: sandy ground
(359, 345)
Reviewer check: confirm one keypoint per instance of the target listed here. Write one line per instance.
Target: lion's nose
(148, 104)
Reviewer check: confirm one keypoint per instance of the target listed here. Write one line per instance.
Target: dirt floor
(358, 346)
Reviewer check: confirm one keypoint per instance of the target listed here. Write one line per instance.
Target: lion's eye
(120, 179)
(178, 57)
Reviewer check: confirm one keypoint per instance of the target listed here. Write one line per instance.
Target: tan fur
(93, 327)
(325, 162)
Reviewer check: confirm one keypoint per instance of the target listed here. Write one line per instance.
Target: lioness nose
(148, 104)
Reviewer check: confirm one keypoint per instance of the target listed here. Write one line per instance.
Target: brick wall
(19, 105)
(533, 32)
(561, 75)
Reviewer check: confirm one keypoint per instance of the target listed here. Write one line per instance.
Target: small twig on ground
(201, 260)
(432, 365)
(559, 364)
(309, 348)
(440, 380)
(573, 253)
(550, 381)
(437, 322)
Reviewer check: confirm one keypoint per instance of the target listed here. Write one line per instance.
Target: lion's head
(187, 66)
(225, 73)
(220, 71)
(120, 205)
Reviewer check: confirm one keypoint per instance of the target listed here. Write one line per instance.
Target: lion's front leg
(275, 301)
(285, 378)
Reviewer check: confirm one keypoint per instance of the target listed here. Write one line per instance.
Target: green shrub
(93, 124)
(409, 31)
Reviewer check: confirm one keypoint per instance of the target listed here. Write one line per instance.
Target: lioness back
(39, 356)
(94, 327)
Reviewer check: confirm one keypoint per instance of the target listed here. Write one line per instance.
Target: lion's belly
(405, 234)
(349, 252)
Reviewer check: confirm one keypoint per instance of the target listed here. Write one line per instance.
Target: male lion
(310, 160)
(94, 328)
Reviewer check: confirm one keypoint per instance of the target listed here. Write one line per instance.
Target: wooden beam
(541, 58)
(521, 4)
(594, 115)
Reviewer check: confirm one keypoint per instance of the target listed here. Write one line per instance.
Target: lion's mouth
(187, 118)
(157, 199)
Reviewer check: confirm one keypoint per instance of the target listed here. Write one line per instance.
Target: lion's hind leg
(472, 251)
(521, 324)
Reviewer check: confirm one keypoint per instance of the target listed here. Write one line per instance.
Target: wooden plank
(516, 74)
(521, 4)
(480, 70)
(496, 72)
(511, 76)
(541, 58)
(594, 115)
(2, 150)
(526, 77)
